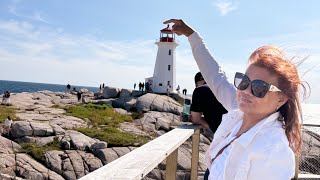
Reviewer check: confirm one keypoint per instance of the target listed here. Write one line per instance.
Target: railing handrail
(139, 162)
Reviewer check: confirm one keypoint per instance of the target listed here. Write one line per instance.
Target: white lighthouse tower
(164, 75)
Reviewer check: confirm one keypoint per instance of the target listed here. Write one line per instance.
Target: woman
(259, 137)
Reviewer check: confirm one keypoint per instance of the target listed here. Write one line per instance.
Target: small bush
(98, 114)
(6, 111)
(115, 137)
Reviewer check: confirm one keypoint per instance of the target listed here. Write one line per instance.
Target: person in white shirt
(260, 135)
(7, 125)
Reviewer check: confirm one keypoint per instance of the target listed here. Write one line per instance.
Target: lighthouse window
(160, 84)
(169, 67)
(170, 52)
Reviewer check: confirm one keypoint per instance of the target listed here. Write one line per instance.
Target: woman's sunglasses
(259, 88)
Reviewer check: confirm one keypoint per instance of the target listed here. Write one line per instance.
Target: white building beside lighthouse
(164, 74)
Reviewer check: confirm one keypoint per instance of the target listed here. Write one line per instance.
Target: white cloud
(225, 6)
(36, 54)
(42, 55)
(34, 16)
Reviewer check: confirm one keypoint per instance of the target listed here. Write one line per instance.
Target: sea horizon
(22, 86)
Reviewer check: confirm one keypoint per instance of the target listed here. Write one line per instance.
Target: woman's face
(249, 104)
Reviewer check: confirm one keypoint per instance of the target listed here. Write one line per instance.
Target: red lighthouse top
(167, 35)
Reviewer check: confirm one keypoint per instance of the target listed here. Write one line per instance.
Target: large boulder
(132, 127)
(110, 92)
(7, 164)
(155, 102)
(57, 129)
(8, 147)
(41, 129)
(136, 93)
(78, 140)
(9, 177)
(41, 141)
(154, 121)
(30, 169)
(67, 122)
(98, 95)
(72, 164)
(20, 129)
(124, 102)
(106, 155)
(99, 145)
(125, 93)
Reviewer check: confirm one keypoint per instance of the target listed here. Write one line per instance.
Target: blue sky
(90, 42)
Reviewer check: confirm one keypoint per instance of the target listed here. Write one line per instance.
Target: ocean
(311, 111)
(18, 87)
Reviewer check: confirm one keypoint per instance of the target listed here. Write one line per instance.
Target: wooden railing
(139, 162)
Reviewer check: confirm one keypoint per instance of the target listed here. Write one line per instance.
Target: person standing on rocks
(79, 95)
(178, 89)
(184, 91)
(68, 88)
(168, 88)
(6, 98)
(205, 103)
(140, 85)
(7, 125)
(134, 86)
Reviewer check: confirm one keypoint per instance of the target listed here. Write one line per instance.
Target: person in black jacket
(206, 110)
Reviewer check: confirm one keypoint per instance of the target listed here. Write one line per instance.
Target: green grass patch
(115, 137)
(6, 111)
(37, 151)
(98, 114)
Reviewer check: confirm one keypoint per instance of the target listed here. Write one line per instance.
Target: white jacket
(261, 153)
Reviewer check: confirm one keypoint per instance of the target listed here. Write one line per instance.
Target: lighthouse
(164, 74)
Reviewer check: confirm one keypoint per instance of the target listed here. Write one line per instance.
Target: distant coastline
(311, 110)
(19, 87)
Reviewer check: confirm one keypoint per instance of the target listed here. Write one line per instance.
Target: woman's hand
(180, 27)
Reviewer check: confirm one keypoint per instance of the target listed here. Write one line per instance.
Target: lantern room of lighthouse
(164, 74)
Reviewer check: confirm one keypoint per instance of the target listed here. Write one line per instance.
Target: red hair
(274, 59)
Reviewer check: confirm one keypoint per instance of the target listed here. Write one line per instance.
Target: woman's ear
(282, 99)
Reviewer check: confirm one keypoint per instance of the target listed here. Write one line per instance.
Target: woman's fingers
(179, 27)
(176, 21)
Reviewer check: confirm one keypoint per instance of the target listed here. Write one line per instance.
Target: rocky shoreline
(41, 119)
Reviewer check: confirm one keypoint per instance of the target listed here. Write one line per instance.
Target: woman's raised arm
(212, 73)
